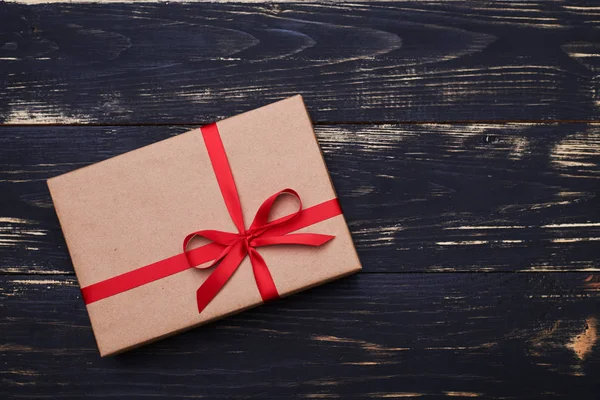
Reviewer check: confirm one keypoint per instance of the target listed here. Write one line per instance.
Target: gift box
(202, 225)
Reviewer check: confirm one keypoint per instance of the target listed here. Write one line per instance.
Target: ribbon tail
(220, 163)
(219, 277)
(305, 239)
(264, 280)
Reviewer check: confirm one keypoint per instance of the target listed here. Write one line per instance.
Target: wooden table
(463, 138)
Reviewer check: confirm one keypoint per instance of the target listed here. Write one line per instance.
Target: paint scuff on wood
(583, 343)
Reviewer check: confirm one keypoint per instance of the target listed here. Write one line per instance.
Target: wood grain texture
(475, 197)
(443, 212)
(361, 62)
(368, 336)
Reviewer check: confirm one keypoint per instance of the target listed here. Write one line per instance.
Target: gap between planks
(63, 274)
(321, 123)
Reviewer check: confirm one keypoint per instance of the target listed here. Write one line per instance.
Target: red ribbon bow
(238, 245)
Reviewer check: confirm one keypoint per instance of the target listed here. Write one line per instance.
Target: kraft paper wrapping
(135, 209)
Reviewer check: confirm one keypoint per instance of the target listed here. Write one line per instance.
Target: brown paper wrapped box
(135, 209)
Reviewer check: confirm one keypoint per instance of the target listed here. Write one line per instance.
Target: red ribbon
(227, 249)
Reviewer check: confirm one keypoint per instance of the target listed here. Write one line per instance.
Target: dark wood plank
(399, 61)
(373, 336)
(516, 197)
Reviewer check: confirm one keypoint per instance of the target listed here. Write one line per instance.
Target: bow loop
(261, 220)
(224, 238)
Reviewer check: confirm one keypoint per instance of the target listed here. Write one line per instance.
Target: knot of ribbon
(236, 246)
